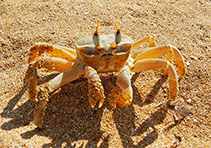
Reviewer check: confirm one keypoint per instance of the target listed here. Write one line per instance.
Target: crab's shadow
(69, 118)
(21, 116)
(127, 129)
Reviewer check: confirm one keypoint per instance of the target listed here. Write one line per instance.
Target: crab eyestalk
(118, 37)
(96, 39)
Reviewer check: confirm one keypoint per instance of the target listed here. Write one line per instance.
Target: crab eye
(96, 39)
(118, 37)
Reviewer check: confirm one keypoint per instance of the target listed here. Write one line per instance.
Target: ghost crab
(105, 53)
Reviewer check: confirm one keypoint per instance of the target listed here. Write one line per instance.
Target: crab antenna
(117, 25)
(118, 34)
(97, 27)
(96, 36)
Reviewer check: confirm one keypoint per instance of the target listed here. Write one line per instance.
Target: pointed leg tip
(92, 102)
(92, 105)
(100, 104)
(112, 102)
(33, 98)
(38, 123)
(113, 105)
(180, 78)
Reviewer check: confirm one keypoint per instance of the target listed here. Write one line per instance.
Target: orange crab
(95, 54)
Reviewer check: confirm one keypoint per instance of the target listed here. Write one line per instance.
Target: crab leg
(50, 63)
(53, 63)
(170, 52)
(96, 90)
(154, 64)
(43, 97)
(122, 94)
(57, 51)
(31, 81)
(149, 39)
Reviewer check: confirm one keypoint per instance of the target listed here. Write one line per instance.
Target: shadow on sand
(69, 118)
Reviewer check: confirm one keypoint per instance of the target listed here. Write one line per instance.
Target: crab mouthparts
(107, 54)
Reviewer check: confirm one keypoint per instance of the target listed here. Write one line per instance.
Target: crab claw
(122, 93)
(96, 93)
(121, 97)
(96, 90)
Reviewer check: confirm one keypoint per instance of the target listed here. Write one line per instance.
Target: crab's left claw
(122, 94)
(96, 90)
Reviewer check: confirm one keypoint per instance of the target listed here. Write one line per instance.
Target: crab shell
(108, 56)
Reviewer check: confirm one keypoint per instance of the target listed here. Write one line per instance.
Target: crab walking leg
(56, 64)
(170, 52)
(43, 97)
(64, 78)
(154, 64)
(31, 81)
(57, 51)
(122, 94)
(50, 63)
(149, 39)
(96, 90)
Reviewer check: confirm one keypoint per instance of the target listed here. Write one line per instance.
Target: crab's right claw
(96, 90)
(96, 93)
